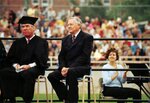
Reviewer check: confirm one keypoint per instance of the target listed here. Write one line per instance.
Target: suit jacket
(77, 53)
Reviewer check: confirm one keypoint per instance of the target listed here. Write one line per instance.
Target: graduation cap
(27, 20)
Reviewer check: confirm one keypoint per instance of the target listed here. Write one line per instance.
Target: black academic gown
(2, 55)
(22, 84)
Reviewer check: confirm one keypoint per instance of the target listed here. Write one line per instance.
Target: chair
(43, 79)
(86, 78)
(147, 66)
(101, 96)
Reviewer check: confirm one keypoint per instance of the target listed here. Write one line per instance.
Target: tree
(138, 9)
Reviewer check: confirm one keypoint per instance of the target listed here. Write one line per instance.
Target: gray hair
(77, 20)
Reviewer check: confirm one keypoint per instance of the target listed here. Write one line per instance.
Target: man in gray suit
(74, 61)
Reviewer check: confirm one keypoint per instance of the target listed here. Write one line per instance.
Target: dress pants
(68, 92)
(122, 93)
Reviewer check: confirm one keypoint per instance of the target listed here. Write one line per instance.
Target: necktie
(28, 40)
(73, 38)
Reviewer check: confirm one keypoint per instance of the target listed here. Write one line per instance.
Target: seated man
(74, 61)
(26, 60)
(2, 55)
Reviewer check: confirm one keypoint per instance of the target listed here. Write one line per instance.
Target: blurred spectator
(136, 32)
(21, 12)
(70, 12)
(31, 11)
(130, 22)
(146, 47)
(46, 30)
(97, 22)
(128, 34)
(4, 22)
(139, 52)
(87, 21)
(147, 30)
(77, 11)
(11, 17)
(41, 21)
(50, 13)
(84, 27)
(148, 51)
(105, 45)
(37, 31)
(134, 47)
(37, 11)
(109, 31)
(99, 53)
(119, 20)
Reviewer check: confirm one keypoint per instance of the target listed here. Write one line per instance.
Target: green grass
(43, 97)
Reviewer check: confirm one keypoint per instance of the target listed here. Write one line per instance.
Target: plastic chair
(86, 78)
(43, 79)
(101, 96)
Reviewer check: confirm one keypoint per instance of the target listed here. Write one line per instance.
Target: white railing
(53, 60)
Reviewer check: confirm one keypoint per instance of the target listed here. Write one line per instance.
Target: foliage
(92, 12)
(138, 9)
(90, 2)
(73, 2)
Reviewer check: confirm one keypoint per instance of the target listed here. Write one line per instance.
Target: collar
(30, 38)
(77, 33)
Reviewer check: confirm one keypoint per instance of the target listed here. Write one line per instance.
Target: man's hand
(25, 67)
(17, 66)
(64, 71)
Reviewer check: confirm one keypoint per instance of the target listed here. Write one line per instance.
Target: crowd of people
(27, 56)
(52, 25)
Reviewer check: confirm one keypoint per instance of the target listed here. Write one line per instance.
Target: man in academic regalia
(2, 55)
(26, 60)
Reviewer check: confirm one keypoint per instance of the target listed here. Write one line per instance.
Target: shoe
(65, 101)
(12, 100)
(1, 99)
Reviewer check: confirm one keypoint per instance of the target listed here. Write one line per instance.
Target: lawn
(55, 98)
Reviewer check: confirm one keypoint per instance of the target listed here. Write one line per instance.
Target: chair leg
(83, 85)
(38, 88)
(38, 83)
(83, 91)
(52, 95)
(93, 89)
(46, 89)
